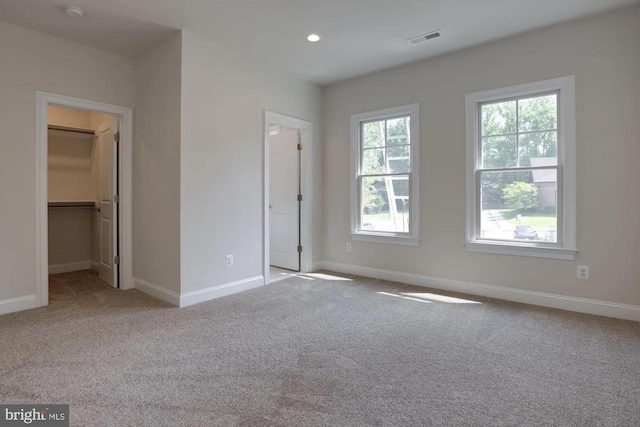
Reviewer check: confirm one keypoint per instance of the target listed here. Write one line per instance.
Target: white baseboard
(214, 292)
(95, 265)
(581, 305)
(195, 297)
(69, 267)
(18, 304)
(157, 292)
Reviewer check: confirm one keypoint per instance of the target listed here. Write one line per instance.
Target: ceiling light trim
(74, 12)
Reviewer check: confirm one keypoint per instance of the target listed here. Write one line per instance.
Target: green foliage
(502, 148)
(380, 139)
(520, 196)
(372, 197)
(494, 182)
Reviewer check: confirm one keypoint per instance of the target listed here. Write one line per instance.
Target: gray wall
(36, 62)
(223, 101)
(156, 167)
(602, 52)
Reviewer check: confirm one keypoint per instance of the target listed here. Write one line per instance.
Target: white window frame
(565, 248)
(412, 238)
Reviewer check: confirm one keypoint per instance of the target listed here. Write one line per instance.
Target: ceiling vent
(425, 37)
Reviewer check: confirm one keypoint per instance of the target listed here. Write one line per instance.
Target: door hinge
(116, 137)
(116, 260)
(299, 248)
(116, 198)
(299, 146)
(299, 197)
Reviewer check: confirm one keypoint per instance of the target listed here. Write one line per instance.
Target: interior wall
(70, 238)
(71, 158)
(70, 161)
(69, 117)
(602, 53)
(33, 62)
(223, 102)
(156, 168)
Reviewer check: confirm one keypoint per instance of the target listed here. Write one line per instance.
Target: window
(521, 170)
(384, 187)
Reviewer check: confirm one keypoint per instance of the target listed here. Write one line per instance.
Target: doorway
(287, 197)
(83, 188)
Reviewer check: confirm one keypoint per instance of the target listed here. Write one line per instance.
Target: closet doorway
(82, 188)
(84, 197)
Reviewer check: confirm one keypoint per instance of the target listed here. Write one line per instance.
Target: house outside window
(384, 176)
(521, 170)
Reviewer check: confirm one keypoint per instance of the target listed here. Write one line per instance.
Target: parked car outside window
(525, 232)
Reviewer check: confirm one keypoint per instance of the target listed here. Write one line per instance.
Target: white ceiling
(359, 36)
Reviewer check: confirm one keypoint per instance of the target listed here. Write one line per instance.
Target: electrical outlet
(229, 260)
(583, 272)
(348, 247)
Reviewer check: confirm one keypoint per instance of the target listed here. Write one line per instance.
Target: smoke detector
(425, 37)
(74, 12)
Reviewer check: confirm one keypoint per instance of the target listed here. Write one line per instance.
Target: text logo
(34, 415)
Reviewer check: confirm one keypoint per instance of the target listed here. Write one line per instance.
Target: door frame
(306, 206)
(43, 101)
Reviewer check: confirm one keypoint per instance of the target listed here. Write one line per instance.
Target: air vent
(424, 37)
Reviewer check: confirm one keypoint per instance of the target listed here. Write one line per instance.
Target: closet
(79, 161)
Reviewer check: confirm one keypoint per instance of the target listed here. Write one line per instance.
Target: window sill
(522, 250)
(385, 238)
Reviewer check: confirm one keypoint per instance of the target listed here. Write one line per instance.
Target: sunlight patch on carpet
(428, 298)
(322, 276)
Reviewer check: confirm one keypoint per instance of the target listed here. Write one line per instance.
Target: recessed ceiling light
(74, 11)
(313, 38)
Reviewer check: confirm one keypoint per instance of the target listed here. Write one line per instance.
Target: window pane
(499, 151)
(498, 118)
(401, 186)
(539, 149)
(373, 134)
(539, 113)
(399, 166)
(398, 131)
(397, 140)
(398, 151)
(385, 204)
(519, 205)
(373, 161)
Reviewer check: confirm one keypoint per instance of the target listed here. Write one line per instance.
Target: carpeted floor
(319, 350)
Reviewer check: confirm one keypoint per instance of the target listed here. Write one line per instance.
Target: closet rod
(72, 205)
(95, 208)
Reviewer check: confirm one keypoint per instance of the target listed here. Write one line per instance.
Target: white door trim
(43, 100)
(306, 137)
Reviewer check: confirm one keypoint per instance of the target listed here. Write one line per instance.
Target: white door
(284, 212)
(108, 234)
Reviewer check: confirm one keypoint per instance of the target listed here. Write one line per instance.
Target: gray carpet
(315, 351)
